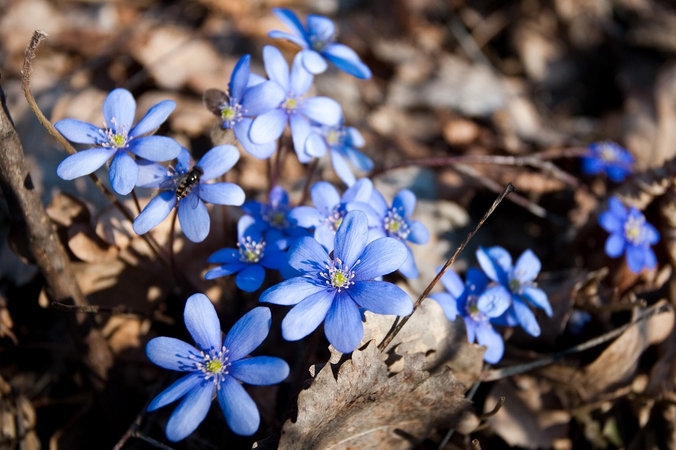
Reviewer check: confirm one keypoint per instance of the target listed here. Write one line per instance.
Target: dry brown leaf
(617, 364)
(65, 209)
(86, 245)
(364, 408)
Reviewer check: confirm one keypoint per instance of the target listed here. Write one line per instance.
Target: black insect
(186, 182)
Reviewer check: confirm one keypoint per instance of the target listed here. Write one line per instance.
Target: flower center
(231, 113)
(318, 44)
(213, 364)
(633, 229)
(275, 217)
(291, 104)
(251, 251)
(115, 137)
(395, 224)
(472, 307)
(338, 276)
(515, 286)
(609, 153)
(335, 219)
(334, 137)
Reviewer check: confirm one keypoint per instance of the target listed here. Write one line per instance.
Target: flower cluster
(631, 234)
(610, 158)
(498, 294)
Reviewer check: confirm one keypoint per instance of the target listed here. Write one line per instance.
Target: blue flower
(610, 158)
(317, 42)
(295, 109)
(330, 209)
(396, 222)
(461, 299)
(517, 282)
(185, 185)
(116, 139)
(248, 97)
(630, 234)
(254, 254)
(215, 366)
(342, 142)
(335, 286)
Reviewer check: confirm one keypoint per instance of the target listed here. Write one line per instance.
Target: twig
(308, 180)
(30, 222)
(496, 374)
(395, 330)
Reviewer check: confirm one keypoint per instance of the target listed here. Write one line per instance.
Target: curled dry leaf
(362, 407)
(17, 420)
(87, 246)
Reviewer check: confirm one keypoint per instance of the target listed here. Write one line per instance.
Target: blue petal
(262, 98)
(635, 258)
(418, 233)
(538, 298)
(351, 238)
(652, 236)
(123, 173)
(495, 346)
(202, 322)
(218, 160)
(307, 255)
(475, 277)
(119, 109)
(248, 333)
(448, 303)
(405, 200)
(470, 328)
(611, 223)
(307, 315)
(376, 200)
(592, 166)
(260, 151)
(343, 327)
(359, 160)
(83, 163)
(222, 194)
(452, 283)
(276, 67)
(151, 175)
(491, 266)
(290, 19)
(170, 353)
(183, 160)
(153, 118)
(177, 390)
(342, 169)
(224, 255)
(325, 197)
(409, 269)
(291, 291)
(526, 318)
(650, 261)
(615, 245)
(360, 192)
(240, 78)
(527, 267)
(381, 297)
(354, 137)
(239, 409)
(301, 79)
(80, 132)
(225, 270)
(323, 110)
(276, 34)
(315, 145)
(268, 127)
(250, 278)
(190, 412)
(347, 60)
(618, 209)
(300, 130)
(494, 301)
(155, 148)
(380, 257)
(194, 221)
(313, 61)
(155, 212)
(260, 370)
(320, 27)
(326, 237)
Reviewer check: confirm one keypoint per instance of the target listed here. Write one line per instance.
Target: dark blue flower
(247, 98)
(610, 158)
(295, 109)
(330, 209)
(255, 253)
(318, 43)
(395, 221)
(116, 139)
(462, 299)
(342, 143)
(517, 282)
(629, 234)
(215, 367)
(185, 185)
(335, 286)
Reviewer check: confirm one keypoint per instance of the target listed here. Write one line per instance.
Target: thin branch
(395, 330)
(496, 374)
